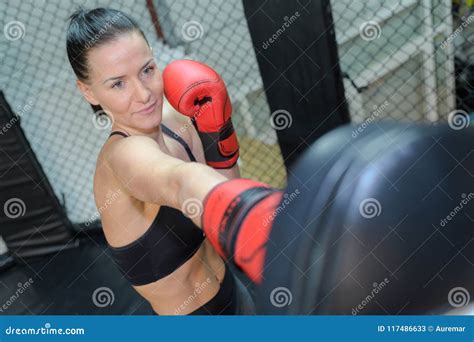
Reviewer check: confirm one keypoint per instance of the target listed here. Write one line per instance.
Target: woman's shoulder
(133, 150)
(118, 154)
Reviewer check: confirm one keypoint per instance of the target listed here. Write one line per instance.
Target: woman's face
(126, 82)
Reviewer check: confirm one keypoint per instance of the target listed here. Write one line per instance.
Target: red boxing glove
(237, 220)
(197, 91)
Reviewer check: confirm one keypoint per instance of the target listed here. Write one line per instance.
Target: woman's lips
(148, 109)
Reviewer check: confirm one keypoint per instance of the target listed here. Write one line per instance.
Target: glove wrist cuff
(221, 149)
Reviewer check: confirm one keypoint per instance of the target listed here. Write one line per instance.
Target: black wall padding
(32, 221)
(299, 69)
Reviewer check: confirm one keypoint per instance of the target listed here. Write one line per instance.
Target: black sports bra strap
(118, 133)
(176, 137)
(170, 133)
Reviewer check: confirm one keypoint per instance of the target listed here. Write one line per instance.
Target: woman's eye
(117, 84)
(148, 70)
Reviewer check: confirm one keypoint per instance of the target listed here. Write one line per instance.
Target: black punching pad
(375, 221)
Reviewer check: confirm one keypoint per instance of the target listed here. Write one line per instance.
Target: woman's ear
(86, 91)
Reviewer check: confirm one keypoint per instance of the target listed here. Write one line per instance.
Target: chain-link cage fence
(62, 128)
(405, 59)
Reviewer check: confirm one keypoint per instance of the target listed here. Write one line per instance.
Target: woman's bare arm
(152, 176)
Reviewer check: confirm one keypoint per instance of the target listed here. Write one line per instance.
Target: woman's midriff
(192, 285)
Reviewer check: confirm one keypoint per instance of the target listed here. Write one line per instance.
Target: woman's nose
(142, 93)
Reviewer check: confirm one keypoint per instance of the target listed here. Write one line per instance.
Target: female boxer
(159, 250)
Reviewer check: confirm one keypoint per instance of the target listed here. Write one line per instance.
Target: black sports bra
(171, 240)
